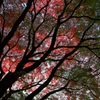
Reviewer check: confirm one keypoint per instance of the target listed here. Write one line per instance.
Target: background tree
(49, 49)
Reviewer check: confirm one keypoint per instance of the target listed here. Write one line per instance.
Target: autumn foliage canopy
(49, 49)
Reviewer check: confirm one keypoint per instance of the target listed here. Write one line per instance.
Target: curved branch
(84, 16)
(15, 26)
(30, 97)
(52, 92)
